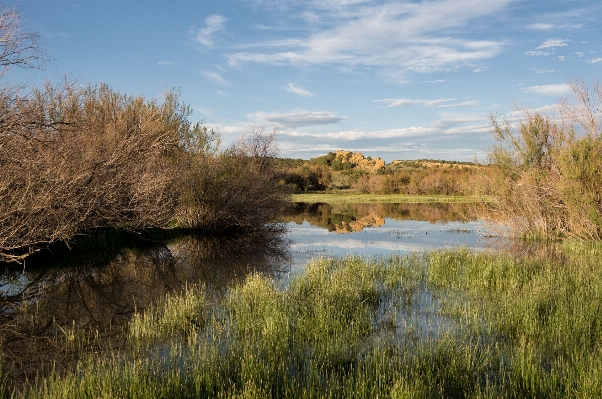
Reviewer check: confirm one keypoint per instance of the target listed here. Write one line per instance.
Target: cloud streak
(214, 23)
(440, 127)
(297, 90)
(300, 118)
(419, 37)
(438, 103)
(540, 26)
(215, 77)
(553, 43)
(538, 53)
(550, 90)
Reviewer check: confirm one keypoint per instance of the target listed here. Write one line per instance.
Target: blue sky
(395, 79)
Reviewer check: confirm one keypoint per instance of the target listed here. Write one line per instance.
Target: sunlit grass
(444, 324)
(353, 198)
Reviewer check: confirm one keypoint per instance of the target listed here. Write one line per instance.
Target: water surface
(379, 230)
(94, 292)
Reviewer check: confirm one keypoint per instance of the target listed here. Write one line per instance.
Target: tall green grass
(544, 313)
(435, 325)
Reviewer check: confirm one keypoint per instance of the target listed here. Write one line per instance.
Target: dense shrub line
(78, 158)
(422, 177)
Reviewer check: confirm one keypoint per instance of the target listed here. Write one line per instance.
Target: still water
(379, 230)
(97, 292)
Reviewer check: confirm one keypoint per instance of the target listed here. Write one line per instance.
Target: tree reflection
(346, 218)
(57, 307)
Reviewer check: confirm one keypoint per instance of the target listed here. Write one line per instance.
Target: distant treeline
(346, 171)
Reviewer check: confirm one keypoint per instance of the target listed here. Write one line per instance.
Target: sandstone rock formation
(358, 161)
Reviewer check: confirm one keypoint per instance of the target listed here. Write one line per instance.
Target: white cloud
(537, 53)
(549, 90)
(438, 103)
(443, 126)
(579, 54)
(300, 118)
(540, 26)
(214, 76)
(561, 58)
(408, 36)
(337, 3)
(297, 90)
(553, 43)
(165, 63)
(595, 60)
(213, 23)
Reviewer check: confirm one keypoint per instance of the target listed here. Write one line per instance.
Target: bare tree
(233, 190)
(18, 48)
(74, 159)
(584, 107)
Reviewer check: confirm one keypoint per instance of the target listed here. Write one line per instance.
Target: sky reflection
(394, 236)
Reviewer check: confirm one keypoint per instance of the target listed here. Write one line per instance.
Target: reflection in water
(86, 298)
(378, 229)
(42, 308)
(347, 218)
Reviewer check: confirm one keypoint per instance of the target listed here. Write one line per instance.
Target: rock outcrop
(358, 161)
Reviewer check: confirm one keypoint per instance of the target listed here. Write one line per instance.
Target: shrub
(546, 176)
(74, 159)
(232, 190)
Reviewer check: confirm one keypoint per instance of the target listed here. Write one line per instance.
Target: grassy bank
(353, 198)
(442, 324)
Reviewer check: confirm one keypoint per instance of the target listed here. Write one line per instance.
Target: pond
(89, 296)
(380, 230)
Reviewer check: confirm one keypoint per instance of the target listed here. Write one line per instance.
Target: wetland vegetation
(545, 171)
(439, 324)
(135, 192)
(359, 198)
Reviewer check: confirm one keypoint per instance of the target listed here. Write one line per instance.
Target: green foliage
(337, 165)
(325, 160)
(308, 177)
(530, 147)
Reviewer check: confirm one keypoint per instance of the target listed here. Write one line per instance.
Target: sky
(391, 79)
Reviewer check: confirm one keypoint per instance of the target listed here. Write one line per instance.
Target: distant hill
(345, 160)
(347, 170)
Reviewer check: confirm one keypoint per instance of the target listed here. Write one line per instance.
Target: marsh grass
(435, 325)
(355, 198)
